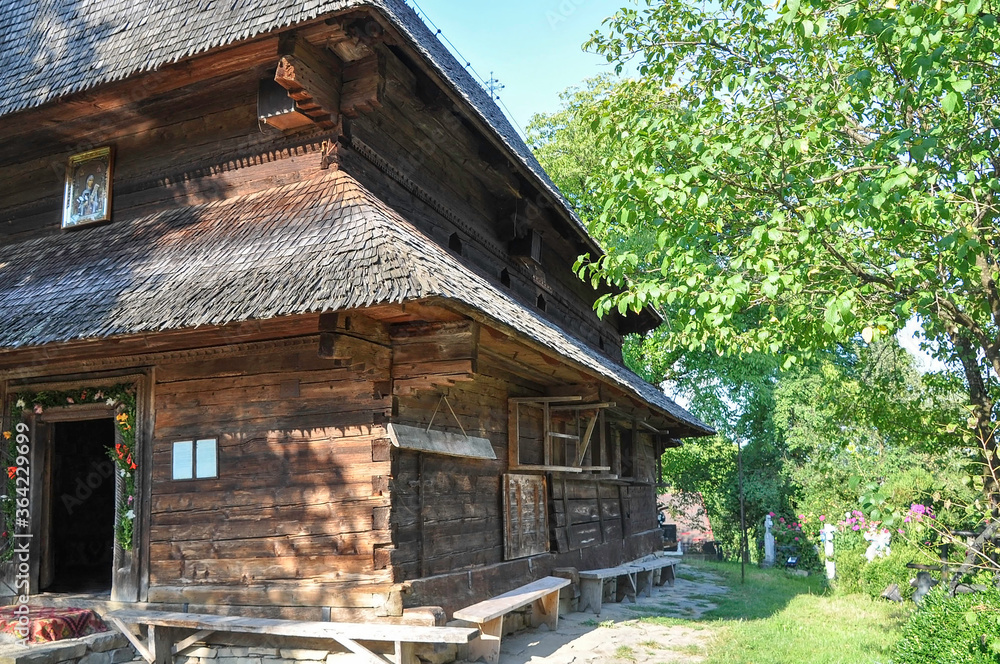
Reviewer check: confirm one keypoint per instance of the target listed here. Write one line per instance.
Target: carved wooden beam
(313, 77)
(364, 85)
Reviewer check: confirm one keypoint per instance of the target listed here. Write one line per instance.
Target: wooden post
(600, 511)
(546, 429)
(603, 461)
(420, 515)
(513, 433)
(546, 610)
(161, 644)
(487, 646)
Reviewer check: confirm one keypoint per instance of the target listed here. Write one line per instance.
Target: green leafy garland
(123, 454)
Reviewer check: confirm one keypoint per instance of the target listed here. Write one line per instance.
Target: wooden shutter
(525, 516)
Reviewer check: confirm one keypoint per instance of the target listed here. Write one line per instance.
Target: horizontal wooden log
(345, 595)
(360, 521)
(283, 496)
(362, 543)
(332, 569)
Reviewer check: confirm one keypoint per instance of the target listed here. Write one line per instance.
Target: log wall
(448, 519)
(299, 512)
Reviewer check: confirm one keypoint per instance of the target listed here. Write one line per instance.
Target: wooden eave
(560, 371)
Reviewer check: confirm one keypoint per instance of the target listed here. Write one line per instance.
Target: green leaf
(950, 102)
(962, 85)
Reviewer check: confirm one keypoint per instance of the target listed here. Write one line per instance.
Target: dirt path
(619, 635)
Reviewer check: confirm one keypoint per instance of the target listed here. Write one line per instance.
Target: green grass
(775, 618)
(624, 652)
(668, 621)
(766, 591)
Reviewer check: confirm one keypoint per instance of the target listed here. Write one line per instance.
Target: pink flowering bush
(855, 574)
(796, 535)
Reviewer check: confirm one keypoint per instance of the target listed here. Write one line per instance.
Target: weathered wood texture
(526, 523)
(463, 587)
(585, 513)
(192, 136)
(299, 513)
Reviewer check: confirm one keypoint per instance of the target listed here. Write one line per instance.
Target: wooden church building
(288, 325)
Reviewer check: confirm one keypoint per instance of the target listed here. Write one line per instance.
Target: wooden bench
(172, 633)
(542, 595)
(632, 580)
(592, 586)
(653, 570)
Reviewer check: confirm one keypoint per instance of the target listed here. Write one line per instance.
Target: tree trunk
(981, 423)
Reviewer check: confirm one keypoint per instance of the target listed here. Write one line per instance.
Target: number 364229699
(19, 470)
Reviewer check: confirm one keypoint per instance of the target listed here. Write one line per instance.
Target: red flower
(11, 471)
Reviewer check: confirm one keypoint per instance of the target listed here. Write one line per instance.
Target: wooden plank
(507, 602)
(546, 429)
(293, 628)
(189, 641)
(513, 435)
(543, 400)
(547, 469)
(525, 516)
(440, 442)
(161, 644)
(127, 632)
(585, 443)
(584, 406)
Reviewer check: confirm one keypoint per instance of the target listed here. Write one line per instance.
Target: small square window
(205, 461)
(195, 459)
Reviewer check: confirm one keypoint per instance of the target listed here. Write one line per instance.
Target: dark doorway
(83, 506)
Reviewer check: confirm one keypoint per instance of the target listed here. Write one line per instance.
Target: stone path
(659, 630)
(621, 635)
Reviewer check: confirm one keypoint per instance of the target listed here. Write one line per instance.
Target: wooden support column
(600, 511)
(422, 558)
(513, 434)
(603, 441)
(616, 453)
(161, 644)
(546, 429)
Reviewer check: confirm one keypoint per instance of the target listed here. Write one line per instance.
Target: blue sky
(532, 47)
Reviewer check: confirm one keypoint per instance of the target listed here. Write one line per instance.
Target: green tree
(565, 144)
(812, 172)
(857, 411)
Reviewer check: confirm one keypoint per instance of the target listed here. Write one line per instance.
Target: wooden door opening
(79, 555)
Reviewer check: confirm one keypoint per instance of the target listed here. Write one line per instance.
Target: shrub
(856, 575)
(964, 629)
(792, 538)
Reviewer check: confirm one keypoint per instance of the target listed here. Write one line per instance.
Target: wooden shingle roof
(54, 48)
(321, 244)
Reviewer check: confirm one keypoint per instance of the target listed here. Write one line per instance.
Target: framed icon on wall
(88, 188)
